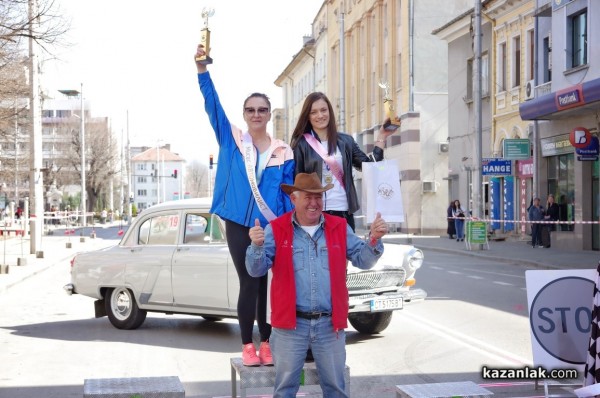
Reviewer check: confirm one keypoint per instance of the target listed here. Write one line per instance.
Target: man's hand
(378, 227)
(199, 53)
(257, 233)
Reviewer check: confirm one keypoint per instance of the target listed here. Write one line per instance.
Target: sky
(136, 58)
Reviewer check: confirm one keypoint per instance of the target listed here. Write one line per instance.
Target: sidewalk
(509, 251)
(54, 248)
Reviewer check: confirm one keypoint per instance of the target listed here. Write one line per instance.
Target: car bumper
(363, 303)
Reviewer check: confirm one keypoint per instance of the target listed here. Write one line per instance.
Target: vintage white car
(174, 259)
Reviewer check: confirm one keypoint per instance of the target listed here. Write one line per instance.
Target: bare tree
(196, 180)
(17, 25)
(44, 24)
(101, 152)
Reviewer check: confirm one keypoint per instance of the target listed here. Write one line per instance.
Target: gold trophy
(205, 37)
(394, 121)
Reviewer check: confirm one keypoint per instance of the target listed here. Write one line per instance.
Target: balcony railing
(544, 88)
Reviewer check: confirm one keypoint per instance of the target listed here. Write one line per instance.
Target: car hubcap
(121, 304)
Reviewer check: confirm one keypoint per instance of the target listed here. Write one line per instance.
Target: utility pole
(82, 149)
(36, 180)
(478, 186)
(121, 206)
(128, 160)
(342, 124)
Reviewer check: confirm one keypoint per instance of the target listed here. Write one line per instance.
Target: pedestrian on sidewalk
(536, 214)
(552, 213)
(459, 221)
(252, 166)
(306, 251)
(451, 230)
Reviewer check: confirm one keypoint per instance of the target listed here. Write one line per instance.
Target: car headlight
(415, 258)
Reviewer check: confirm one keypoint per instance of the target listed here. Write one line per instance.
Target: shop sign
(516, 149)
(525, 168)
(476, 232)
(569, 98)
(556, 145)
(590, 152)
(496, 167)
(580, 137)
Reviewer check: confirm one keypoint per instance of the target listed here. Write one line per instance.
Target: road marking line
(455, 272)
(475, 277)
(471, 343)
(502, 283)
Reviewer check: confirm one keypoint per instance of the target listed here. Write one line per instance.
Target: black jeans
(536, 234)
(252, 301)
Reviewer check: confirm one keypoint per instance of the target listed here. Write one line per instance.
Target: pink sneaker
(249, 357)
(264, 353)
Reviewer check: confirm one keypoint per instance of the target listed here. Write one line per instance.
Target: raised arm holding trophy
(252, 166)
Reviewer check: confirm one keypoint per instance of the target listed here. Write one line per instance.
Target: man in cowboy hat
(307, 252)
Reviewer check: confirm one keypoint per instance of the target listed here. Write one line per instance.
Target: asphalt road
(475, 315)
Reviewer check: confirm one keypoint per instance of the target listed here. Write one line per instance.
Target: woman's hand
(200, 52)
(385, 133)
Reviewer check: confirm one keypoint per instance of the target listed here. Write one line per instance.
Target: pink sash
(330, 160)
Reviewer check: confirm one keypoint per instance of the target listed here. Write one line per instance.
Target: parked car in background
(174, 259)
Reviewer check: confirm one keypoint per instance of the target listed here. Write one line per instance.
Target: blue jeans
(289, 352)
(460, 230)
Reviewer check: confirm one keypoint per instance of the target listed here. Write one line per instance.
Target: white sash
(250, 162)
(330, 160)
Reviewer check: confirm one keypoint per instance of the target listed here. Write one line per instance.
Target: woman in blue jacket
(252, 166)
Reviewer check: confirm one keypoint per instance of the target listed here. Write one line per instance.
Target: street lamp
(72, 93)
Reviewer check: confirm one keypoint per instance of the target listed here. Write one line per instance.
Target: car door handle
(183, 249)
(136, 249)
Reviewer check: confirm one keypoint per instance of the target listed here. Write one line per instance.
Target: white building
(157, 176)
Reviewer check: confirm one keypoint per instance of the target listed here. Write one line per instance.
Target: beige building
(512, 73)
(384, 41)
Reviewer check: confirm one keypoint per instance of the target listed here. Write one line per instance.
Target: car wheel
(370, 322)
(122, 310)
(212, 318)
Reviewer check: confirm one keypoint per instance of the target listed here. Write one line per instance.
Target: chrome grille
(375, 279)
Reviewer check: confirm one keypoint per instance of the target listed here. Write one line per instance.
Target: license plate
(386, 304)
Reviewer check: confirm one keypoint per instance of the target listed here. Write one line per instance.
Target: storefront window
(561, 183)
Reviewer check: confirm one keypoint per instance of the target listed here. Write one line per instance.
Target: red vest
(283, 285)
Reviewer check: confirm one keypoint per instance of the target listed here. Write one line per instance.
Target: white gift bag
(381, 191)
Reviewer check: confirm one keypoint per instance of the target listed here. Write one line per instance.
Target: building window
(577, 40)
(63, 113)
(141, 192)
(561, 183)
(142, 179)
(141, 166)
(48, 113)
(516, 61)
(501, 78)
(530, 54)
(485, 75)
(547, 60)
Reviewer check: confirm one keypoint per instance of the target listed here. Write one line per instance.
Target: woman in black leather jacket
(316, 125)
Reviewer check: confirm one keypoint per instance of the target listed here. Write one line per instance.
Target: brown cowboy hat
(307, 183)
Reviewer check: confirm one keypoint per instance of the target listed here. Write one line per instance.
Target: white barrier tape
(525, 221)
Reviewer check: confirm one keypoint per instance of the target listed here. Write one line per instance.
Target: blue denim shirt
(311, 263)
